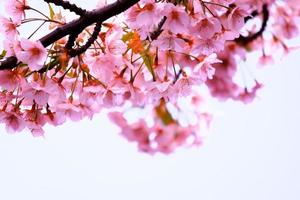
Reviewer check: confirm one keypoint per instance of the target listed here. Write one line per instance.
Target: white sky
(252, 153)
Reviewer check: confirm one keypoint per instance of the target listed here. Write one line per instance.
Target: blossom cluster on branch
(155, 55)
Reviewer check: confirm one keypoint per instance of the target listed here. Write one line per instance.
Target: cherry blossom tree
(147, 56)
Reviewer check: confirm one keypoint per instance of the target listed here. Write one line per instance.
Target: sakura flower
(169, 137)
(223, 88)
(134, 94)
(90, 97)
(35, 120)
(111, 99)
(117, 118)
(136, 132)
(177, 19)
(113, 43)
(166, 134)
(70, 110)
(266, 60)
(36, 94)
(42, 92)
(13, 121)
(102, 66)
(222, 85)
(165, 138)
(6, 97)
(294, 4)
(32, 53)
(16, 9)
(36, 131)
(196, 43)
(257, 4)
(182, 87)
(248, 96)
(54, 118)
(160, 89)
(169, 41)
(131, 15)
(143, 18)
(9, 46)
(236, 18)
(207, 47)
(287, 28)
(205, 68)
(208, 71)
(148, 15)
(207, 27)
(10, 80)
(8, 28)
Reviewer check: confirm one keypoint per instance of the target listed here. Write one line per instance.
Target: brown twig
(156, 33)
(91, 17)
(242, 40)
(68, 6)
(91, 40)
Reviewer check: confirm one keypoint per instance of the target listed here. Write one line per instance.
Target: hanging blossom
(32, 53)
(16, 9)
(154, 59)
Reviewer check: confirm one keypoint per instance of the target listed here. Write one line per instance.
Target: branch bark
(242, 40)
(68, 6)
(90, 17)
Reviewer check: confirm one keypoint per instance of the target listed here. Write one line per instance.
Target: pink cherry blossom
(153, 59)
(10, 80)
(266, 60)
(177, 19)
(36, 93)
(31, 53)
(236, 18)
(13, 121)
(35, 120)
(8, 28)
(16, 9)
(207, 27)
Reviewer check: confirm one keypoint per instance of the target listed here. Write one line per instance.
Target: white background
(252, 153)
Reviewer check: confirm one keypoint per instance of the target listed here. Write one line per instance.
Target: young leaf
(163, 113)
(3, 54)
(51, 11)
(148, 60)
(128, 36)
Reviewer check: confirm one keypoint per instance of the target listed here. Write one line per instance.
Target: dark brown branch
(156, 33)
(71, 40)
(8, 63)
(242, 40)
(253, 14)
(88, 19)
(68, 6)
(91, 40)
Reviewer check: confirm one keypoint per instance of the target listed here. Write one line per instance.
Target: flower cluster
(159, 53)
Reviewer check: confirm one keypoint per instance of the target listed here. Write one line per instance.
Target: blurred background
(252, 152)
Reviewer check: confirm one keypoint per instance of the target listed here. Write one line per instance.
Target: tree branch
(91, 40)
(156, 33)
(82, 22)
(246, 40)
(68, 6)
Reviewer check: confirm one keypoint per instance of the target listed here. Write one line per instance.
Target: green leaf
(3, 54)
(128, 36)
(148, 60)
(167, 118)
(163, 113)
(52, 13)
